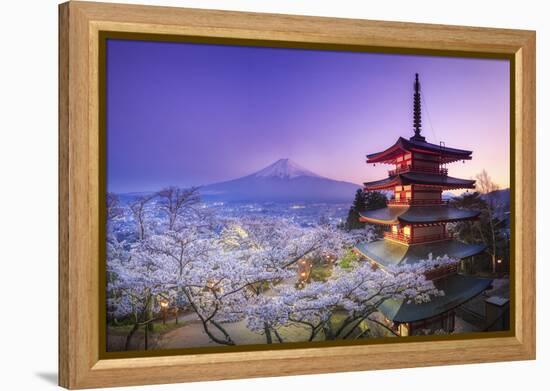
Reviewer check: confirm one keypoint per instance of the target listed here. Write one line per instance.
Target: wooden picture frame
(80, 166)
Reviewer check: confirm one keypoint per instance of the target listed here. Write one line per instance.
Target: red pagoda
(417, 217)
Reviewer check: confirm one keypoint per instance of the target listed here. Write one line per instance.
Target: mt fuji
(282, 181)
(285, 168)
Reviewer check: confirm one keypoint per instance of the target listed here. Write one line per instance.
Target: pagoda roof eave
(402, 145)
(432, 214)
(387, 253)
(392, 215)
(458, 289)
(418, 178)
(388, 215)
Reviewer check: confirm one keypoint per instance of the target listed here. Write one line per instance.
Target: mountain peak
(282, 181)
(285, 168)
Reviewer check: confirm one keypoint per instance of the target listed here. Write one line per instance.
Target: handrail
(393, 201)
(399, 236)
(431, 170)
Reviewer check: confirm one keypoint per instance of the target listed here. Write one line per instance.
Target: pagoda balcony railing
(393, 201)
(430, 170)
(416, 239)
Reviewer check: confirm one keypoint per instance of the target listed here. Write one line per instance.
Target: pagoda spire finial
(417, 114)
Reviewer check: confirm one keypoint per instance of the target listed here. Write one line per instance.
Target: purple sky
(192, 114)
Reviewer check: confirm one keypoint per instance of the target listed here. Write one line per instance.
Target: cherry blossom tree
(139, 212)
(133, 286)
(244, 269)
(357, 293)
(177, 203)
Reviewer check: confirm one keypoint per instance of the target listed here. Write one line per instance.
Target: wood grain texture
(64, 339)
(79, 363)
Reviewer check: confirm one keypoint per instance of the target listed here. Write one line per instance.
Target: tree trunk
(149, 313)
(130, 335)
(353, 328)
(223, 331)
(267, 331)
(227, 341)
(279, 338)
(329, 335)
(146, 342)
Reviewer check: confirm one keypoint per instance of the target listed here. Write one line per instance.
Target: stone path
(193, 335)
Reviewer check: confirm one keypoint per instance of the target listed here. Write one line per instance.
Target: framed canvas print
(248, 195)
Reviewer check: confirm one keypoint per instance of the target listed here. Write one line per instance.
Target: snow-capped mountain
(285, 168)
(282, 181)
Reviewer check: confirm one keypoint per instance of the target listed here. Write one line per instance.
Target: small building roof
(391, 253)
(458, 289)
(402, 145)
(420, 178)
(497, 300)
(394, 214)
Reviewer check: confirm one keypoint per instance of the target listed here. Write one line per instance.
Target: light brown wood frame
(80, 365)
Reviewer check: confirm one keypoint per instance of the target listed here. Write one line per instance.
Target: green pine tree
(374, 200)
(353, 214)
(364, 201)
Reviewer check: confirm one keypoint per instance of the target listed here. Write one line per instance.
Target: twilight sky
(193, 114)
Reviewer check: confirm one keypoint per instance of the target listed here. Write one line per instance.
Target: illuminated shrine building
(417, 217)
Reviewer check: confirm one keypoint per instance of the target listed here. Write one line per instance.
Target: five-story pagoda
(417, 217)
